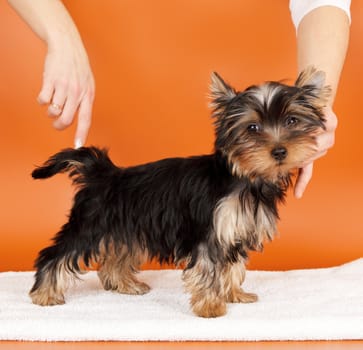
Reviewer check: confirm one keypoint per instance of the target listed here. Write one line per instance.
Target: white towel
(316, 304)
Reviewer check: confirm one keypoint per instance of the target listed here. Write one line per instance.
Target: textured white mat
(313, 304)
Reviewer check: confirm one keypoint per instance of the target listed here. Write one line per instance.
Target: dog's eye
(291, 121)
(254, 127)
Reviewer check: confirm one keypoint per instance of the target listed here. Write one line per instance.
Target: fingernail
(78, 143)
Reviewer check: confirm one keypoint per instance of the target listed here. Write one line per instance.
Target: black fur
(166, 206)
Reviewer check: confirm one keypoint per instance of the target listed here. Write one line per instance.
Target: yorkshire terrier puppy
(205, 211)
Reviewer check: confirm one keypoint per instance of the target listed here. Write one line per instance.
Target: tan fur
(47, 296)
(117, 270)
(258, 160)
(54, 284)
(233, 277)
(208, 305)
(202, 282)
(265, 225)
(219, 88)
(232, 223)
(213, 285)
(314, 77)
(266, 92)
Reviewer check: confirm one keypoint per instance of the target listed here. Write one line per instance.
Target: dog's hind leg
(61, 263)
(118, 268)
(57, 266)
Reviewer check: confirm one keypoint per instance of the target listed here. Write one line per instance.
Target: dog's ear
(313, 80)
(220, 92)
(311, 77)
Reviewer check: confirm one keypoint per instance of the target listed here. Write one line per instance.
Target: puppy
(205, 211)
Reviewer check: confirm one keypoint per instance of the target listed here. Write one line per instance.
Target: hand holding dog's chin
(325, 140)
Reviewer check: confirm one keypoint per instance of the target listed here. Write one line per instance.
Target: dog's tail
(84, 165)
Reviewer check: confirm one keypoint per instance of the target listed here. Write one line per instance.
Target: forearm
(68, 85)
(322, 41)
(49, 19)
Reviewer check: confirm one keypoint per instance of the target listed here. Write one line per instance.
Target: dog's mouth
(271, 165)
(284, 166)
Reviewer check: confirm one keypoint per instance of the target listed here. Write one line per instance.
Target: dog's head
(268, 130)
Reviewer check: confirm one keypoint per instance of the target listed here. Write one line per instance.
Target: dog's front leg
(203, 281)
(233, 277)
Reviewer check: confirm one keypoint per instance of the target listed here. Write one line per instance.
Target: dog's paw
(46, 298)
(239, 296)
(210, 309)
(134, 288)
(138, 288)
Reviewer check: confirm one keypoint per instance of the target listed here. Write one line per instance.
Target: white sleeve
(300, 8)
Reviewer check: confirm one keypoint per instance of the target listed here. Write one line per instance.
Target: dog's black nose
(279, 153)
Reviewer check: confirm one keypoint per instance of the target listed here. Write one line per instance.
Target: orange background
(152, 61)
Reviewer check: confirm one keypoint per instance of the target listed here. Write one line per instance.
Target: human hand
(325, 140)
(68, 87)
